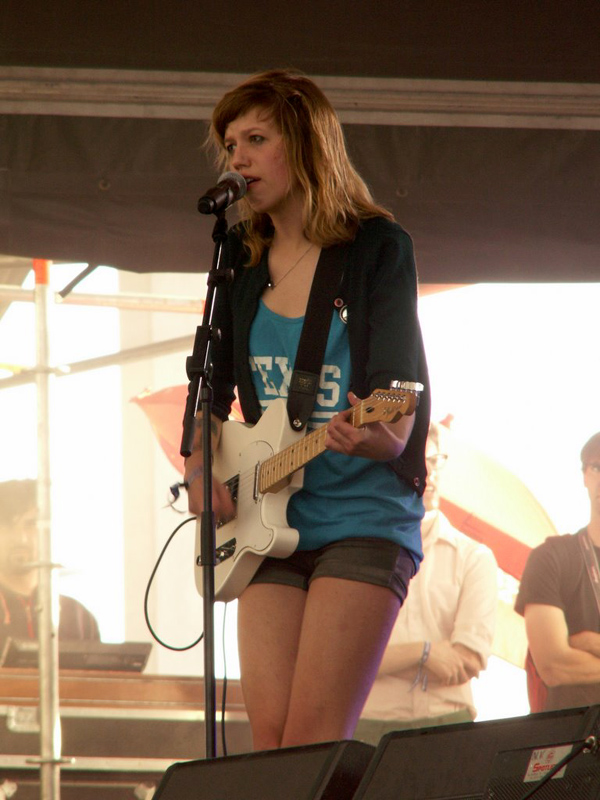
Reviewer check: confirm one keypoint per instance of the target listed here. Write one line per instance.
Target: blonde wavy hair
(335, 196)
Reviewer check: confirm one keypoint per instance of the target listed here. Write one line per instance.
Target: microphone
(230, 188)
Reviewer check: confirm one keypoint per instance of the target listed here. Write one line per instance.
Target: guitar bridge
(225, 551)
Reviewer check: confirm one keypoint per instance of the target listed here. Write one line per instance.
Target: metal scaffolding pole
(50, 759)
(47, 598)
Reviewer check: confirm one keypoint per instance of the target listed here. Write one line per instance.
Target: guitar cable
(147, 594)
(156, 637)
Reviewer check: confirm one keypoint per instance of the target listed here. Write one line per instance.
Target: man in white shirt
(444, 631)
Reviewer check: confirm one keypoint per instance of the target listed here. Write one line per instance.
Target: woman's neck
(288, 223)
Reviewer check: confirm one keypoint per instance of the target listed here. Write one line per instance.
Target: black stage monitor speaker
(328, 771)
(454, 762)
(515, 773)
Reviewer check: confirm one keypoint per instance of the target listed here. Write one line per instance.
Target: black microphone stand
(200, 398)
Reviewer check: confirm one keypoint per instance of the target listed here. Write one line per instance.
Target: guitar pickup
(225, 551)
(232, 486)
(256, 488)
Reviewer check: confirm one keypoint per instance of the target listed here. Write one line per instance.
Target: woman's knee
(266, 738)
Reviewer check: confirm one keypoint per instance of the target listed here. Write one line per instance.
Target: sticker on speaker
(544, 759)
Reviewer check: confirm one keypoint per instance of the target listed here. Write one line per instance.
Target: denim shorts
(366, 559)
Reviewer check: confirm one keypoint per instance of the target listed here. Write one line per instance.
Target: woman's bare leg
(345, 629)
(269, 623)
(308, 660)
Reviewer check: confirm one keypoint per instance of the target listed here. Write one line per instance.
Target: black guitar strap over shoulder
(313, 338)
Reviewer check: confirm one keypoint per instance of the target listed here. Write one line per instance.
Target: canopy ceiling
(497, 40)
(477, 124)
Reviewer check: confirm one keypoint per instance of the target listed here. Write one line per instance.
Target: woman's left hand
(379, 441)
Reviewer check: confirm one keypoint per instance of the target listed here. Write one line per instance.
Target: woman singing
(313, 626)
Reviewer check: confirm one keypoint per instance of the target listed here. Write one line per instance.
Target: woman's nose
(240, 157)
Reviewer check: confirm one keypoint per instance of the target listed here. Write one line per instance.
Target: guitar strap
(304, 382)
(591, 562)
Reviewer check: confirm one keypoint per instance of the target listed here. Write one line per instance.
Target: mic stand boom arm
(200, 398)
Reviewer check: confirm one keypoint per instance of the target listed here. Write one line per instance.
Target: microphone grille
(241, 187)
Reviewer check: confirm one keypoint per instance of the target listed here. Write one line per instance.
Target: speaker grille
(328, 771)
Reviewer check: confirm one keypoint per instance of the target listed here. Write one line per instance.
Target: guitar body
(260, 528)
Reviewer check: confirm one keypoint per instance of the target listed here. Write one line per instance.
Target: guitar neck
(280, 466)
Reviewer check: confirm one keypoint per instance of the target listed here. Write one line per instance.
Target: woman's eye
(256, 138)
(229, 148)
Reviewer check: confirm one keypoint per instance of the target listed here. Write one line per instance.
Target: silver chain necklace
(273, 285)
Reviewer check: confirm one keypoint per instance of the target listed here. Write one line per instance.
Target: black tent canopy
(481, 204)
(477, 124)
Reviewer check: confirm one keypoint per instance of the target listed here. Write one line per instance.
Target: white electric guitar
(261, 465)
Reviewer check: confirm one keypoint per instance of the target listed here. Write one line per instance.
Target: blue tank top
(342, 496)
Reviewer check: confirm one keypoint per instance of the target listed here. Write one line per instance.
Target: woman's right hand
(223, 506)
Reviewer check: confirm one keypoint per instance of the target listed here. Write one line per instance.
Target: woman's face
(256, 150)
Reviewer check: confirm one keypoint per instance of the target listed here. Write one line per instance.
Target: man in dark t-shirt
(19, 573)
(558, 600)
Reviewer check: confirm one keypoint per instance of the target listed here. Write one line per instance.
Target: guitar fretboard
(283, 464)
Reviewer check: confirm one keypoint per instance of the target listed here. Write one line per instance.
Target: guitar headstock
(388, 405)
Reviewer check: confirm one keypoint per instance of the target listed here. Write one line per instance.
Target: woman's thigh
(269, 623)
(345, 628)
